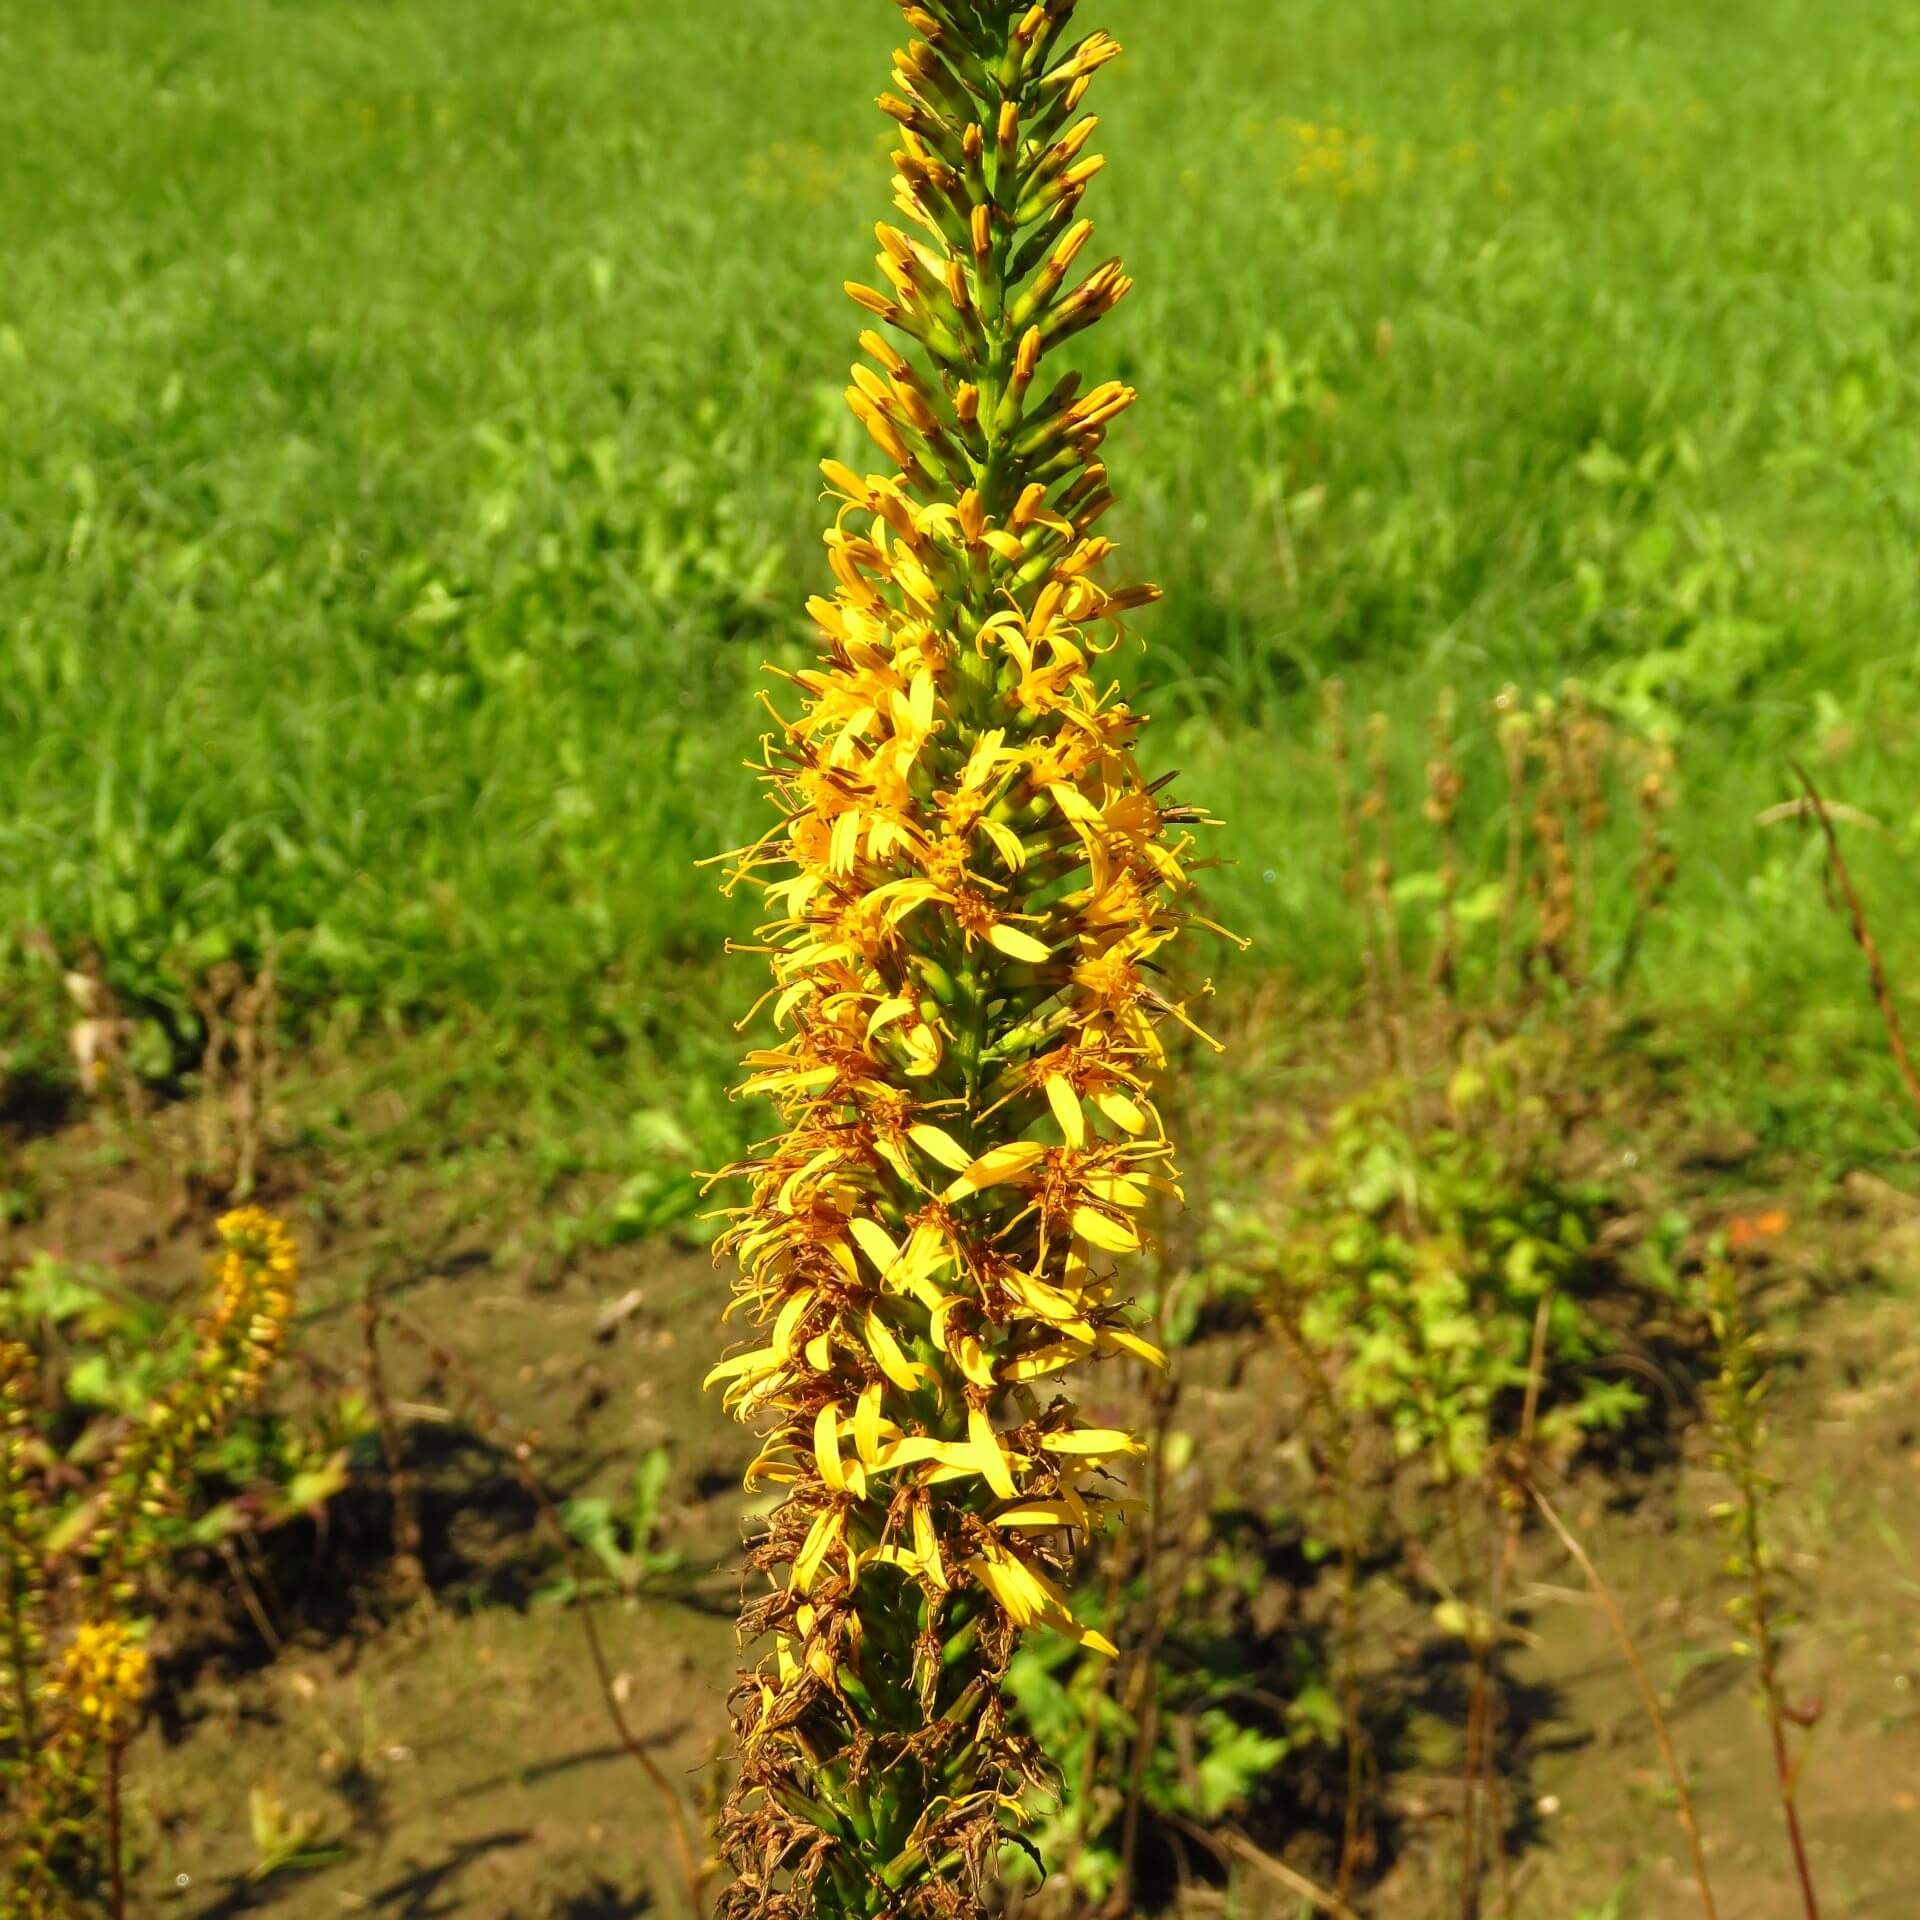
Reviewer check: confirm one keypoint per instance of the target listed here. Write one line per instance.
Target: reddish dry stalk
(1378, 806)
(1588, 808)
(1649, 1700)
(1783, 1765)
(115, 1847)
(1863, 938)
(1239, 1846)
(406, 1512)
(1443, 810)
(1353, 880)
(1340, 1463)
(1512, 726)
(1555, 933)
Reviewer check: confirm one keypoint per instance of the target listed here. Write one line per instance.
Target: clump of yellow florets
(240, 1336)
(100, 1678)
(71, 1695)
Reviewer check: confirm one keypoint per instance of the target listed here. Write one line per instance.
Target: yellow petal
(1043, 1513)
(980, 762)
(886, 1013)
(866, 1423)
(889, 1357)
(975, 1362)
(789, 1321)
(1123, 1112)
(875, 1242)
(996, 1166)
(937, 1321)
(927, 1252)
(1130, 1342)
(926, 1543)
(1103, 1230)
(819, 1543)
(1010, 1583)
(1036, 1365)
(986, 1448)
(1011, 848)
(1092, 1441)
(826, 1447)
(937, 1144)
(843, 480)
(1067, 1110)
(760, 1360)
(1019, 946)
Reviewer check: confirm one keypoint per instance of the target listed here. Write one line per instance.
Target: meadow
(409, 427)
(411, 417)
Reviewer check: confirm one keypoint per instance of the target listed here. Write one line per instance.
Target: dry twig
(1863, 937)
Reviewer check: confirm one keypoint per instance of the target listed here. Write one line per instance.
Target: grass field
(410, 416)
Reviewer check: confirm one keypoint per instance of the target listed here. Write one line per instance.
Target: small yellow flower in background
(254, 1286)
(74, 1671)
(795, 170)
(100, 1677)
(1334, 160)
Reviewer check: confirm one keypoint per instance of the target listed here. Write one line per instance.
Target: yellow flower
(101, 1677)
(969, 892)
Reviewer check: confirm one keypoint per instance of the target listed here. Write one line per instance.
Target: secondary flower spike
(970, 886)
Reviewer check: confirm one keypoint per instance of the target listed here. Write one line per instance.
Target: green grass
(408, 416)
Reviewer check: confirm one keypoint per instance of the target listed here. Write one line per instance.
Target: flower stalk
(971, 885)
(74, 1668)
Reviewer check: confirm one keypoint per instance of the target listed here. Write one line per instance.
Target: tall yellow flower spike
(970, 885)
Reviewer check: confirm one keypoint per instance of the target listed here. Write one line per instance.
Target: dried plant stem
(400, 1488)
(519, 1450)
(1588, 810)
(1558, 910)
(1339, 1449)
(116, 1850)
(1738, 1403)
(1512, 725)
(1767, 1655)
(1653, 870)
(1443, 810)
(1378, 806)
(1354, 878)
(1863, 938)
(250, 1599)
(1353, 1841)
(1649, 1700)
(1294, 1881)
(1503, 1492)
(1146, 1707)
(1474, 1763)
